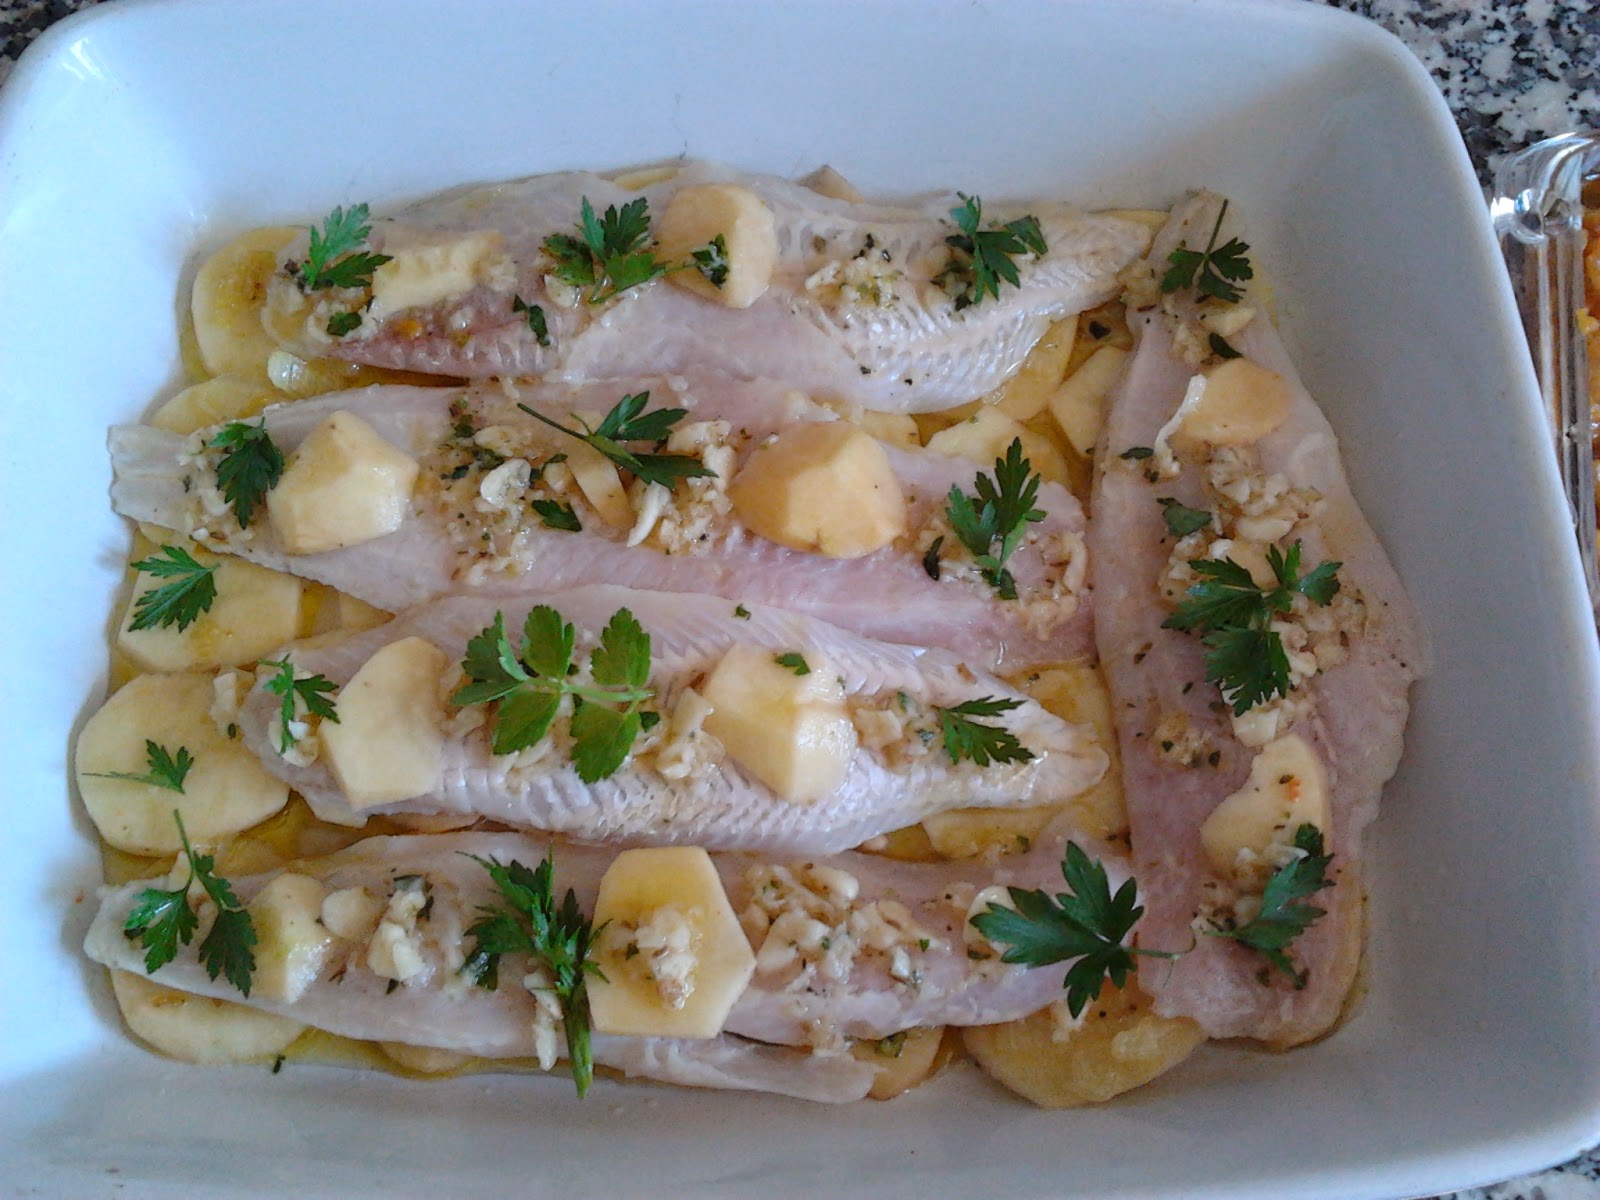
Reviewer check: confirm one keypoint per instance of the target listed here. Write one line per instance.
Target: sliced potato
(255, 612)
(226, 790)
(230, 291)
(987, 435)
(902, 1061)
(1025, 394)
(199, 1029)
(1120, 1045)
(213, 401)
(1078, 405)
(969, 832)
(425, 1060)
(910, 844)
(1077, 692)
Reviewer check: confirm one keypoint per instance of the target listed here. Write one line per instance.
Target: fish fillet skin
(913, 352)
(858, 997)
(1354, 714)
(454, 539)
(706, 798)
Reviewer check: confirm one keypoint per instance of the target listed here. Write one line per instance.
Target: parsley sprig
(628, 422)
(991, 525)
(558, 937)
(162, 920)
(1180, 519)
(250, 467)
(982, 259)
(977, 741)
(1285, 911)
(309, 691)
(535, 318)
(1086, 923)
(610, 254)
(166, 770)
(1214, 271)
(1244, 654)
(711, 260)
(332, 260)
(192, 591)
(527, 686)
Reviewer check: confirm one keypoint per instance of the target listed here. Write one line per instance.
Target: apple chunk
(671, 951)
(343, 485)
(825, 487)
(292, 944)
(790, 731)
(697, 215)
(389, 740)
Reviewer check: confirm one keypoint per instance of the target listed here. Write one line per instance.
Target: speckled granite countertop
(1514, 71)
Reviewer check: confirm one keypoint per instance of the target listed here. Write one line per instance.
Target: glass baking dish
(1538, 207)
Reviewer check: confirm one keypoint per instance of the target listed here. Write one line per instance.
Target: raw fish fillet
(1352, 711)
(679, 787)
(463, 534)
(925, 972)
(905, 349)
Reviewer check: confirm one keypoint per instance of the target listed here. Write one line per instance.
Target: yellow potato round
(227, 789)
(199, 1029)
(903, 1061)
(1120, 1045)
(230, 290)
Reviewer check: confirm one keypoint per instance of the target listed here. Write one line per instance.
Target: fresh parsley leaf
(627, 422)
(527, 687)
(1285, 911)
(1221, 347)
(558, 937)
(535, 315)
(982, 259)
(331, 261)
(976, 741)
(556, 515)
(1086, 923)
(711, 260)
(310, 691)
(1213, 272)
(162, 920)
(1182, 521)
(192, 591)
(341, 323)
(793, 662)
(1245, 655)
(249, 468)
(610, 254)
(992, 524)
(165, 769)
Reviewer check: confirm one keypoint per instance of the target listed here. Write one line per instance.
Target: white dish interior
(133, 136)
